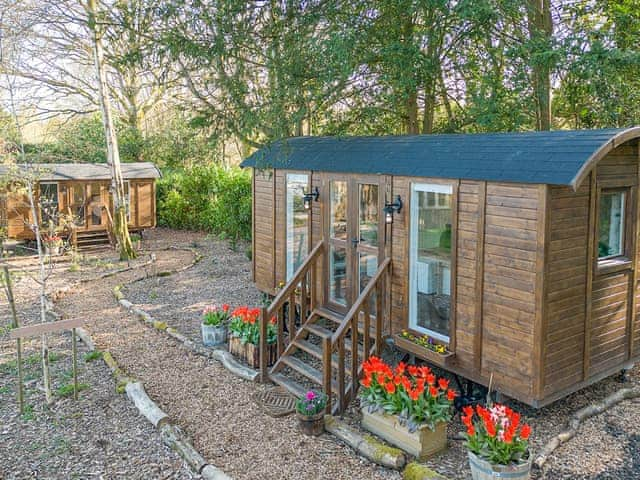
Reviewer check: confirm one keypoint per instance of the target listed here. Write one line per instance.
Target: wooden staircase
(86, 241)
(321, 349)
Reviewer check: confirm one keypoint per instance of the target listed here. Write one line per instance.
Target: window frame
(287, 273)
(624, 260)
(413, 226)
(40, 184)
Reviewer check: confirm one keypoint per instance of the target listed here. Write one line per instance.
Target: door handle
(355, 242)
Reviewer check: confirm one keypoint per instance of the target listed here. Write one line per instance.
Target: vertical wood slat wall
(530, 308)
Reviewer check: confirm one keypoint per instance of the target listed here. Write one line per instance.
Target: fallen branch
(579, 417)
(368, 447)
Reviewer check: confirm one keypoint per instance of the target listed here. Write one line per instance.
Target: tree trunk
(42, 280)
(412, 113)
(540, 26)
(120, 228)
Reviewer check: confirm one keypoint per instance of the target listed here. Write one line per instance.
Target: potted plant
(214, 325)
(52, 244)
(244, 336)
(310, 409)
(408, 406)
(497, 443)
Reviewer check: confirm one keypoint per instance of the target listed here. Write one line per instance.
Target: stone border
(170, 433)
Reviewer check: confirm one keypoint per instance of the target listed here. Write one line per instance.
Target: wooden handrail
(364, 295)
(346, 392)
(284, 294)
(300, 279)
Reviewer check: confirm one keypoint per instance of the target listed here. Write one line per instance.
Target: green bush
(210, 198)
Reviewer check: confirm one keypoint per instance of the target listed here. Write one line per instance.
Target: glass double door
(355, 237)
(86, 202)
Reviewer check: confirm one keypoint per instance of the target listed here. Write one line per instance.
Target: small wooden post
(326, 371)
(74, 356)
(264, 374)
(15, 324)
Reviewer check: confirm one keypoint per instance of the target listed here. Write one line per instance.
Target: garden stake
(14, 314)
(74, 350)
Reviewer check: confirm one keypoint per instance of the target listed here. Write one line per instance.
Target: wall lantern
(391, 208)
(315, 193)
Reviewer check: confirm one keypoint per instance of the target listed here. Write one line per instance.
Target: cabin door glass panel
(49, 206)
(338, 252)
(297, 229)
(95, 205)
(430, 260)
(368, 233)
(77, 201)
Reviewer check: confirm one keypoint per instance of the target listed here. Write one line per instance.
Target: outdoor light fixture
(315, 193)
(390, 208)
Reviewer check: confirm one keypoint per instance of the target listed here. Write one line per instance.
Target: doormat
(275, 401)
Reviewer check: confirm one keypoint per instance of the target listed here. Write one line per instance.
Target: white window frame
(298, 178)
(623, 220)
(413, 256)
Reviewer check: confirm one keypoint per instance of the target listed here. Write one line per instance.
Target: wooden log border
(579, 417)
(170, 434)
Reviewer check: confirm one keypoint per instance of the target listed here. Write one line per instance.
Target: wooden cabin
(82, 190)
(518, 252)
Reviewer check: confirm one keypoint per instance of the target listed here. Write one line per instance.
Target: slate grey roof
(556, 157)
(89, 171)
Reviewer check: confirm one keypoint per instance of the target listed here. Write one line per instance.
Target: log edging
(221, 355)
(170, 433)
(368, 447)
(579, 417)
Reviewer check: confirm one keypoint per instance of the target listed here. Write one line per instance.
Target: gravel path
(211, 405)
(215, 408)
(99, 436)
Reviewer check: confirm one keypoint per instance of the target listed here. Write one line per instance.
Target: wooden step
(302, 368)
(316, 351)
(291, 386)
(319, 331)
(329, 315)
(337, 319)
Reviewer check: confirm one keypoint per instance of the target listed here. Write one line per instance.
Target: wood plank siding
(591, 322)
(531, 305)
(264, 230)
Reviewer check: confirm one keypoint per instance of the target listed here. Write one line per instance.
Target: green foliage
(210, 198)
(67, 389)
(91, 356)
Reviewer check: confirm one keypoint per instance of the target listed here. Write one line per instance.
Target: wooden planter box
(435, 358)
(423, 443)
(251, 353)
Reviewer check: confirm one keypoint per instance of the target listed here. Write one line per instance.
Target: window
(611, 224)
(48, 202)
(430, 255)
(297, 222)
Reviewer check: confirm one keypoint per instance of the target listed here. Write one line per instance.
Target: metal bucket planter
(423, 443)
(213, 336)
(483, 470)
(311, 424)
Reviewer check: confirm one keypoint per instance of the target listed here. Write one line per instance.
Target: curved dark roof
(561, 157)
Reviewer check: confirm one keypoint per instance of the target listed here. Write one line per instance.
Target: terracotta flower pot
(311, 424)
(483, 470)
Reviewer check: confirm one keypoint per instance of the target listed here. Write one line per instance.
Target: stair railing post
(326, 371)
(264, 373)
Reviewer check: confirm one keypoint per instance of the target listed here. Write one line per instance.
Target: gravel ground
(216, 410)
(99, 436)
(222, 276)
